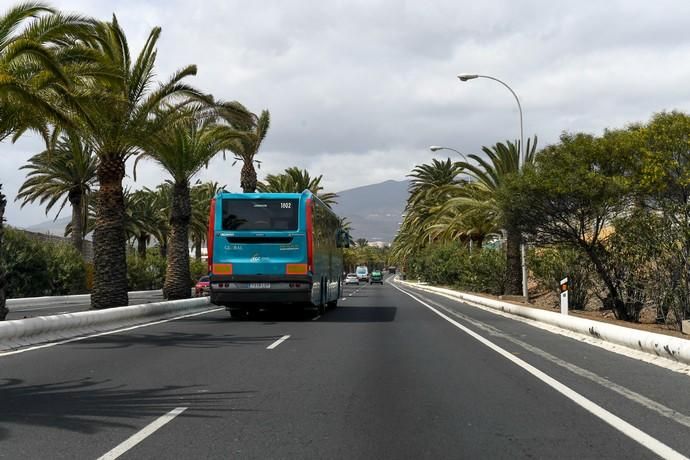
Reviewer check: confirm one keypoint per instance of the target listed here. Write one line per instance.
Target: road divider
(41, 329)
(674, 348)
(30, 301)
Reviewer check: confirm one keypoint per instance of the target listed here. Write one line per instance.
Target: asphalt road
(48, 306)
(382, 376)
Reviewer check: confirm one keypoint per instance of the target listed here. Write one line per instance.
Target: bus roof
(257, 195)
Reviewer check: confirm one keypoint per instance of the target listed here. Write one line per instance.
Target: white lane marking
(316, 317)
(616, 422)
(144, 433)
(277, 342)
(124, 329)
(638, 398)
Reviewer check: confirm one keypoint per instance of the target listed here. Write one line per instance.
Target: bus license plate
(259, 285)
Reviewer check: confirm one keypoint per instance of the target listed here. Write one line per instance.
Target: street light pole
(521, 164)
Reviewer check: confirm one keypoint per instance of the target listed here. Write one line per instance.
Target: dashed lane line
(144, 433)
(278, 342)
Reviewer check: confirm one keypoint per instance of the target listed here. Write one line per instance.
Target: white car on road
(351, 278)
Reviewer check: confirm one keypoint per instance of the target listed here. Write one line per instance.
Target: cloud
(358, 90)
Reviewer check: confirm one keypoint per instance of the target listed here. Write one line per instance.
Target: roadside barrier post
(564, 296)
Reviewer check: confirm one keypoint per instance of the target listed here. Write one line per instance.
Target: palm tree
(120, 111)
(295, 180)
(246, 148)
(67, 172)
(478, 198)
(362, 242)
(35, 41)
(431, 186)
(144, 211)
(182, 150)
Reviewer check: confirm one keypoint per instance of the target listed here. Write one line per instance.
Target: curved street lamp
(436, 148)
(466, 77)
(521, 163)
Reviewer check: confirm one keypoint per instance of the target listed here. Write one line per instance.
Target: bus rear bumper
(242, 297)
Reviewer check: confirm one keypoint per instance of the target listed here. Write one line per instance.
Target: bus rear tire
(333, 304)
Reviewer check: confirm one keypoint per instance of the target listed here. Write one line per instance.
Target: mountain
(51, 227)
(374, 210)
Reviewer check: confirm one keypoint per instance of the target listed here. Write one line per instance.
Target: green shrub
(550, 265)
(67, 269)
(145, 274)
(454, 265)
(485, 272)
(38, 268)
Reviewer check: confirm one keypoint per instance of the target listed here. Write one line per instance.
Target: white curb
(24, 332)
(665, 346)
(24, 301)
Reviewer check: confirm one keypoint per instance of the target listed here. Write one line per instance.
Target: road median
(32, 331)
(673, 348)
(30, 301)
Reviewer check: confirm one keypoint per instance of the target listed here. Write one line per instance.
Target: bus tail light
(310, 237)
(211, 233)
(296, 269)
(222, 269)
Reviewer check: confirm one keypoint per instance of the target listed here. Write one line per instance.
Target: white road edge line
(142, 434)
(616, 422)
(76, 339)
(277, 342)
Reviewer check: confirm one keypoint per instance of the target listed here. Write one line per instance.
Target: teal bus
(274, 249)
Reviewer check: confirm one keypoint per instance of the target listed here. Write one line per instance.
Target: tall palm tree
(295, 180)
(120, 111)
(35, 42)
(182, 150)
(246, 148)
(478, 198)
(67, 172)
(431, 186)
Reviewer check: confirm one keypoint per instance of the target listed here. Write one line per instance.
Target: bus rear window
(260, 214)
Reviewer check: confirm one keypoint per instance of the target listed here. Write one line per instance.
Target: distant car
(376, 277)
(362, 273)
(202, 287)
(351, 278)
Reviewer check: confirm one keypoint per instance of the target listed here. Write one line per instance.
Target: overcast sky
(358, 90)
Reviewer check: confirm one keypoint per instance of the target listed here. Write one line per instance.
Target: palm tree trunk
(141, 244)
(177, 277)
(3, 284)
(248, 177)
(109, 245)
(513, 263)
(75, 200)
(163, 248)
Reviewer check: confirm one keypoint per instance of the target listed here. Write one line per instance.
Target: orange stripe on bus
(296, 269)
(222, 269)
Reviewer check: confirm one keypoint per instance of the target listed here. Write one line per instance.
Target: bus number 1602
(285, 205)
